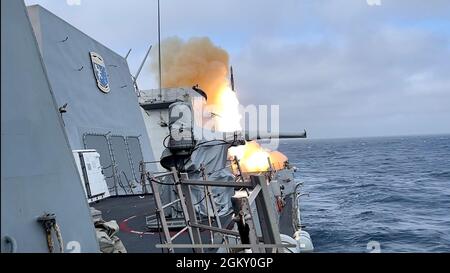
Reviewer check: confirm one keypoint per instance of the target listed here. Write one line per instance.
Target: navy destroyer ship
(90, 163)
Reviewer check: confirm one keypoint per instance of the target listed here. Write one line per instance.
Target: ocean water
(390, 191)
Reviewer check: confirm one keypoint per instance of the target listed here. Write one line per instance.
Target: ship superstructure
(43, 205)
(141, 157)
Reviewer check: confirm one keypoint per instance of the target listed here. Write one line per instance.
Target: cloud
(338, 68)
(390, 73)
(362, 73)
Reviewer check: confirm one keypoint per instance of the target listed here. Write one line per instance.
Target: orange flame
(254, 158)
(199, 61)
(227, 109)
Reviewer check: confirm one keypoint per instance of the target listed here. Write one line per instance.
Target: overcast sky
(339, 68)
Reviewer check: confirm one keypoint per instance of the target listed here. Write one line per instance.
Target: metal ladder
(188, 211)
(160, 207)
(271, 241)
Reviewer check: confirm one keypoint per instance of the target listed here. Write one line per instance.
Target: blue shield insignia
(98, 65)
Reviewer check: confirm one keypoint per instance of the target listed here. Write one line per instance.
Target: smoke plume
(199, 61)
(192, 62)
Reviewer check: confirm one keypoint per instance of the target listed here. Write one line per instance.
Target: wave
(391, 190)
(443, 174)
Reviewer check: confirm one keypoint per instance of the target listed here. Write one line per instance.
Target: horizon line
(375, 136)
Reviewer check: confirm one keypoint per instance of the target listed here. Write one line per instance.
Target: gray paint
(125, 173)
(135, 150)
(213, 157)
(89, 110)
(38, 172)
(100, 144)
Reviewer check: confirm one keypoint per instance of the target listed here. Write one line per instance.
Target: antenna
(142, 64)
(159, 51)
(128, 54)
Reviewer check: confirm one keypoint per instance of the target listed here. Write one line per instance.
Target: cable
(165, 184)
(149, 177)
(199, 202)
(119, 181)
(128, 181)
(48, 222)
(203, 144)
(50, 244)
(107, 167)
(59, 237)
(164, 141)
(222, 142)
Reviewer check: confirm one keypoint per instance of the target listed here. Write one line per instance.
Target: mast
(159, 51)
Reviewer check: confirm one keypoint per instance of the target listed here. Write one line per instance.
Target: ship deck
(130, 213)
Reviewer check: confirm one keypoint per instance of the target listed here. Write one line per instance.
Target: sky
(338, 68)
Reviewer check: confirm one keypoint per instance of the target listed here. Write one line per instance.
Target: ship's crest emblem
(98, 65)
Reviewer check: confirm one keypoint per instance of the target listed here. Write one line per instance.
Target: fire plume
(199, 61)
(254, 158)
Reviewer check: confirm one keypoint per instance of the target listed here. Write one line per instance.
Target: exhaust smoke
(199, 61)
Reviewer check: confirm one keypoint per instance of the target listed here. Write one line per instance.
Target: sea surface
(387, 194)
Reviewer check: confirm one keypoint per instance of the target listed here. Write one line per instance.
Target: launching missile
(232, 78)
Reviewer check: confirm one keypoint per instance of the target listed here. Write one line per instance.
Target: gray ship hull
(77, 95)
(38, 173)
